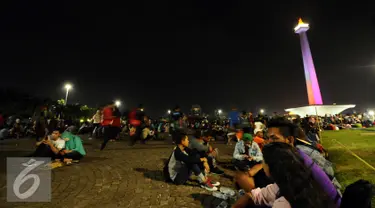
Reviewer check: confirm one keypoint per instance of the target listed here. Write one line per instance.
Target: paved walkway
(119, 176)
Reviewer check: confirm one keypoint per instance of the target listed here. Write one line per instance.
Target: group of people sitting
(61, 147)
(277, 167)
(193, 154)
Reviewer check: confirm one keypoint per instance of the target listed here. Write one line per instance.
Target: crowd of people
(278, 160)
(281, 168)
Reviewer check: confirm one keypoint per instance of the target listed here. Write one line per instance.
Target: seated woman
(74, 150)
(184, 161)
(294, 185)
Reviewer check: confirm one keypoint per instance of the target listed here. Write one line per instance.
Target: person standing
(234, 118)
(96, 120)
(116, 125)
(136, 120)
(107, 124)
(40, 127)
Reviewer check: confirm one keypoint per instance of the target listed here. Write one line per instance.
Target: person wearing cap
(247, 159)
(246, 153)
(259, 138)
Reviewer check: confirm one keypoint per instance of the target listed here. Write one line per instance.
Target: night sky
(214, 53)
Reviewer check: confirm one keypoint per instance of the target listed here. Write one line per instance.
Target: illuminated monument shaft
(313, 90)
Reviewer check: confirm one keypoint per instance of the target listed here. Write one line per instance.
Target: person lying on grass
(183, 161)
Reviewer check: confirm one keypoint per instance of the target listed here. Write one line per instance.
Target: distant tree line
(14, 102)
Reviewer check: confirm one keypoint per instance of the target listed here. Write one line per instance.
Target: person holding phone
(50, 146)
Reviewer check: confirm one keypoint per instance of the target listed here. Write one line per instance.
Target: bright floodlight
(68, 86)
(117, 103)
(219, 111)
(261, 111)
(371, 112)
(169, 111)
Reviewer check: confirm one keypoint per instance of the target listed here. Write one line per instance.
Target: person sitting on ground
(281, 130)
(234, 136)
(259, 138)
(183, 161)
(294, 184)
(247, 158)
(50, 146)
(74, 150)
(313, 151)
(17, 129)
(246, 153)
(200, 143)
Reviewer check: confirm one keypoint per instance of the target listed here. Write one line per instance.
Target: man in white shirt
(50, 146)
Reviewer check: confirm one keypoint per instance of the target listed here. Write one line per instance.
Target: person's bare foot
(67, 161)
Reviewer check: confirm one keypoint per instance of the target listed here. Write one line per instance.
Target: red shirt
(1, 120)
(107, 116)
(116, 122)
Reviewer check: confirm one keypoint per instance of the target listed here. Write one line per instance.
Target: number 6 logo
(23, 177)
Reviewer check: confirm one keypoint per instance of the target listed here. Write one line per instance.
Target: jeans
(74, 155)
(185, 173)
(43, 150)
(110, 132)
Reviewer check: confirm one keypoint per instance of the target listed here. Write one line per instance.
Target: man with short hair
(200, 143)
(184, 161)
(281, 130)
(50, 146)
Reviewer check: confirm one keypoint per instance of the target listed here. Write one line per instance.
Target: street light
(169, 111)
(67, 87)
(117, 103)
(261, 111)
(219, 111)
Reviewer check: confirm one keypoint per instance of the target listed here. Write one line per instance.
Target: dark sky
(214, 53)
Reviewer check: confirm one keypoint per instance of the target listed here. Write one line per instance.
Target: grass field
(348, 168)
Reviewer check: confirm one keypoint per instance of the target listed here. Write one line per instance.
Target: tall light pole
(169, 111)
(219, 111)
(117, 103)
(67, 87)
(261, 111)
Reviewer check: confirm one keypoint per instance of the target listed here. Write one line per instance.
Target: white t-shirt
(59, 143)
